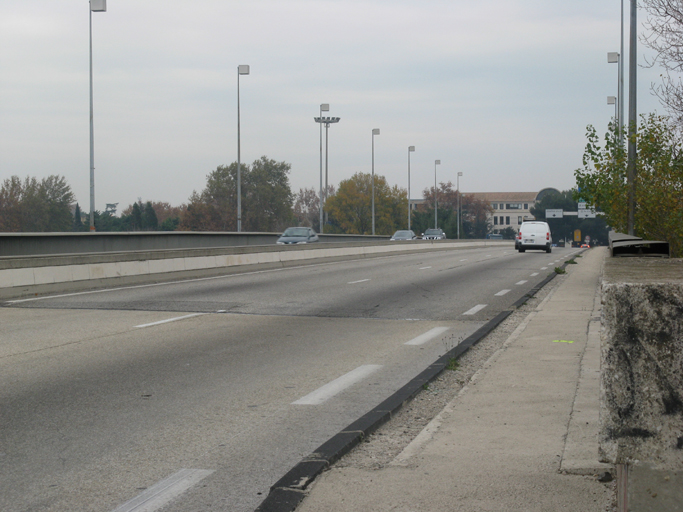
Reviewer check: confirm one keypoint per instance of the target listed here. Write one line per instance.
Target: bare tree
(665, 36)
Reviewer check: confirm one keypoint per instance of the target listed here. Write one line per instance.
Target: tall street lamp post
(375, 131)
(411, 149)
(95, 6)
(632, 121)
(327, 121)
(242, 69)
(458, 187)
(436, 194)
(324, 107)
(612, 100)
(615, 58)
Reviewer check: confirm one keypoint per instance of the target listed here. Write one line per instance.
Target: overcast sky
(500, 90)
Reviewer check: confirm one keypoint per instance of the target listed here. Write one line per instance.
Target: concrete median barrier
(25, 276)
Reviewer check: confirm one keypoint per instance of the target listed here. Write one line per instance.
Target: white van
(534, 235)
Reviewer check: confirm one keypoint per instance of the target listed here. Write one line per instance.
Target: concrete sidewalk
(521, 436)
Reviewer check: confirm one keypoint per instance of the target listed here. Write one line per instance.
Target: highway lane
(96, 409)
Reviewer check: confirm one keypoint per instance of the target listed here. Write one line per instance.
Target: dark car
(434, 234)
(404, 234)
(298, 236)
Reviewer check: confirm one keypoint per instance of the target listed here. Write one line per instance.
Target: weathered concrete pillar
(641, 414)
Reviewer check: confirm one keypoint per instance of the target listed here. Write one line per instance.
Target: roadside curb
(288, 492)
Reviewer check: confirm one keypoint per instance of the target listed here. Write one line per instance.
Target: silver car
(298, 236)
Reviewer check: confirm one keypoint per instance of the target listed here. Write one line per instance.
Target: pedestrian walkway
(521, 436)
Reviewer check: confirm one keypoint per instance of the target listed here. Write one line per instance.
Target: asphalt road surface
(199, 395)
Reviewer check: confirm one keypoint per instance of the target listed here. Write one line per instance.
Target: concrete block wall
(641, 416)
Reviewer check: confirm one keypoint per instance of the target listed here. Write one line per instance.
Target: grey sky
(501, 90)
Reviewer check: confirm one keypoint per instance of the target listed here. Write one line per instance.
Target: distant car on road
(494, 236)
(585, 246)
(298, 236)
(404, 234)
(434, 234)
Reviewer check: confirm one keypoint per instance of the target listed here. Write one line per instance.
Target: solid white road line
(424, 338)
(520, 282)
(162, 493)
(475, 309)
(324, 393)
(170, 320)
(502, 292)
(359, 281)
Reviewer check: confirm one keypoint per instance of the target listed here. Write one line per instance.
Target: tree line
(268, 205)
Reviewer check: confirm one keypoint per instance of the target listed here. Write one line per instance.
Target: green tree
(78, 220)
(266, 199)
(658, 185)
(10, 205)
(136, 217)
(149, 218)
(475, 217)
(36, 206)
(446, 210)
(350, 209)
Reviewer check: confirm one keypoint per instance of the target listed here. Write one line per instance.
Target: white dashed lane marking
(502, 292)
(324, 393)
(165, 491)
(429, 335)
(475, 309)
(359, 281)
(521, 282)
(169, 320)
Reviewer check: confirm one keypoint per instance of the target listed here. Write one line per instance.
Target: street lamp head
(437, 162)
(327, 120)
(459, 174)
(411, 149)
(611, 100)
(612, 57)
(243, 69)
(375, 131)
(98, 5)
(324, 107)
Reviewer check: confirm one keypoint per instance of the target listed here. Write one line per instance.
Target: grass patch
(559, 270)
(571, 262)
(453, 364)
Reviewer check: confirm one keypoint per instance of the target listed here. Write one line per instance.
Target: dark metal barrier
(627, 245)
(33, 244)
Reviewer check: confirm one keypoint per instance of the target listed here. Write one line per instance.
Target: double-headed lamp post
(95, 6)
(458, 187)
(375, 131)
(436, 194)
(411, 149)
(327, 121)
(242, 69)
